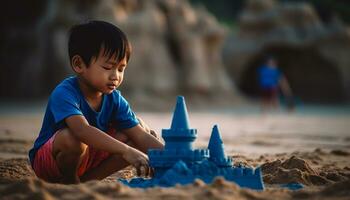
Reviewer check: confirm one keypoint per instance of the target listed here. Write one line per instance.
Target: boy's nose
(114, 75)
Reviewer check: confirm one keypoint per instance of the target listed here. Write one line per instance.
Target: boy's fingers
(151, 172)
(142, 167)
(142, 170)
(154, 134)
(138, 170)
(146, 171)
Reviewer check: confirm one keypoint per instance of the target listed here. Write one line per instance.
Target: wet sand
(309, 148)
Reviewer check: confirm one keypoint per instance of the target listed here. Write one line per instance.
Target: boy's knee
(65, 141)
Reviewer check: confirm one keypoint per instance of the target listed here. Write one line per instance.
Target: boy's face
(103, 74)
(272, 63)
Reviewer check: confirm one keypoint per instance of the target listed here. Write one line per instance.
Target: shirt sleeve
(64, 103)
(123, 115)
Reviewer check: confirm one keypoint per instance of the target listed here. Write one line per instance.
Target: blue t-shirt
(67, 100)
(268, 77)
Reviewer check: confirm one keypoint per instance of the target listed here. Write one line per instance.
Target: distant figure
(271, 80)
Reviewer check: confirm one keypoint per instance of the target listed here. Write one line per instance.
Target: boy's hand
(139, 160)
(147, 129)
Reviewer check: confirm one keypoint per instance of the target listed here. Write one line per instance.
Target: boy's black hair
(269, 57)
(87, 39)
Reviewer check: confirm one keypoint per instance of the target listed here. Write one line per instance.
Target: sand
(312, 149)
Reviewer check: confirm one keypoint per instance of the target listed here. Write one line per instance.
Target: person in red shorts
(271, 81)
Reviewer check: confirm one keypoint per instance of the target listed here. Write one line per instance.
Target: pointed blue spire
(180, 117)
(216, 146)
(180, 135)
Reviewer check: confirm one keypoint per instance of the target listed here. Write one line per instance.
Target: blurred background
(208, 51)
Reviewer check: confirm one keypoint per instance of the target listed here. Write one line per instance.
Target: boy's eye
(121, 68)
(107, 68)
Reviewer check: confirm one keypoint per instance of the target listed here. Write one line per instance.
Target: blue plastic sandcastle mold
(293, 186)
(216, 149)
(179, 163)
(180, 117)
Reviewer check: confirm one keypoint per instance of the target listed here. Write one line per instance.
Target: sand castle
(179, 163)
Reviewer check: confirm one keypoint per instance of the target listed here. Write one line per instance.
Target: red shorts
(269, 93)
(45, 166)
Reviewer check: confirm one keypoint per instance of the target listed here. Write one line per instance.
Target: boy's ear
(78, 64)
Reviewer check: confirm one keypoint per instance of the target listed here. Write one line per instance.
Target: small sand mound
(340, 153)
(220, 182)
(298, 163)
(15, 169)
(33, 188)
(292, 170)
(27, 188)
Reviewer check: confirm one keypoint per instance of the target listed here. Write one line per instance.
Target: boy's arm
(284, 85)
(142, 139)
(98, 139)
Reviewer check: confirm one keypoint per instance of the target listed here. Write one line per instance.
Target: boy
(87, 121)
(271, 80)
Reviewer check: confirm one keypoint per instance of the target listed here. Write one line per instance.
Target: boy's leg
(264, 106)
(68, 151)
(115, 162)
(274, 99)
(108, 166)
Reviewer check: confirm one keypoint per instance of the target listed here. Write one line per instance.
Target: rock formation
(314, 55)
(176, 49)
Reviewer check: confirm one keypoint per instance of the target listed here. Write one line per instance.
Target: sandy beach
(307, 147)
(227, 58)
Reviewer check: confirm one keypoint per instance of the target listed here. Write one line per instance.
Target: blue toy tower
(178, 143)
(179, 136)
(216, 149)
(179, 163)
